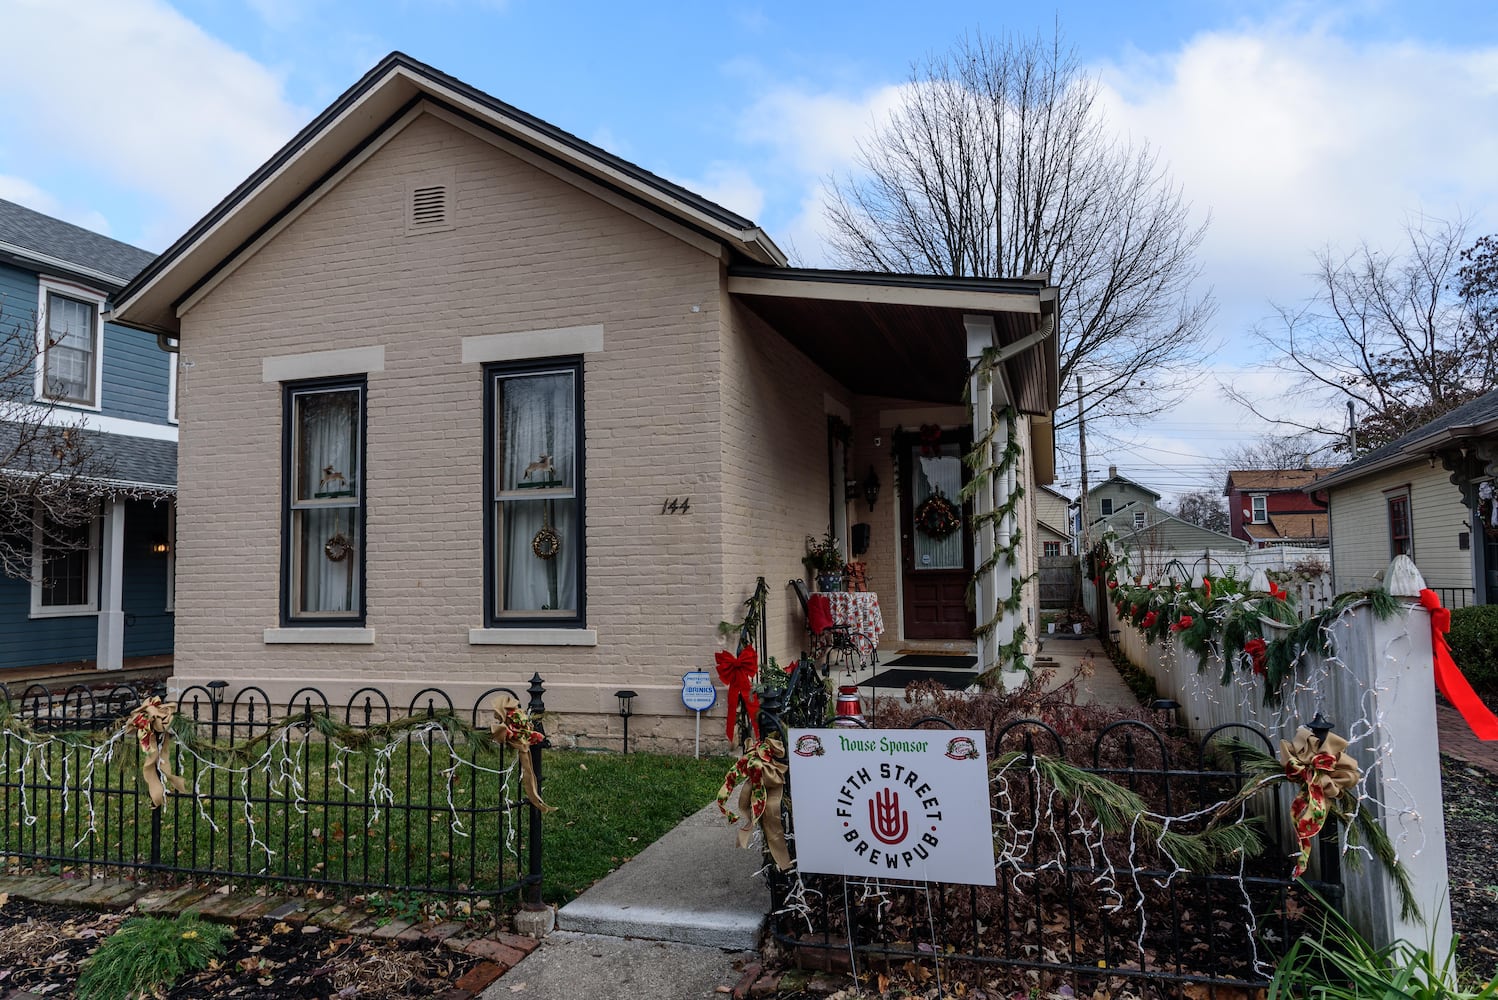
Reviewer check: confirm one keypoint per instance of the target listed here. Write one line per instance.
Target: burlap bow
(514, 727)
(152, 722)
(762, 772)
(1324, 771)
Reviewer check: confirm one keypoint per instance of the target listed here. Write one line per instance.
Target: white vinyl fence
(1304, 572)
(1378, 690)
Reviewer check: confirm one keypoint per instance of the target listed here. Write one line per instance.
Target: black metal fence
(402, 798)
(1072, 905)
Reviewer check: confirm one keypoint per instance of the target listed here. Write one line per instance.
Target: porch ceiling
(903, 336)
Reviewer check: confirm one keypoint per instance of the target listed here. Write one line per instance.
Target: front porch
(950, 385)
(136, 671)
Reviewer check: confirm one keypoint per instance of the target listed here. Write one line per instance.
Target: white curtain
(327, 480)
(537, 489)
(942, 471)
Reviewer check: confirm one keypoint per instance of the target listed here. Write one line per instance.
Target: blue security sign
(697, 691)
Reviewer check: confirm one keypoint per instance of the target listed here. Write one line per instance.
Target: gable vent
(429, 205)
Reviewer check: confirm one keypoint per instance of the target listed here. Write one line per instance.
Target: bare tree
(998, 163)
(1404, 336)
(47, 463)
(1205, 510)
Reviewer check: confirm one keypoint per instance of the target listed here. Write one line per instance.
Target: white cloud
(1296, 138)
(816, 133)
(730, 186)
(143, 98)
(23, 192)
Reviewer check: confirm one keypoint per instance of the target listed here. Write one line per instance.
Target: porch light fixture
(160, 548)
(625, 697)
(871, 487)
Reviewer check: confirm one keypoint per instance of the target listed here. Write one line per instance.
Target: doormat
(897, 679)
(950, 661)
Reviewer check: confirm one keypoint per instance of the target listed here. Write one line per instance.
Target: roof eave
(46, 263)
(149, 301)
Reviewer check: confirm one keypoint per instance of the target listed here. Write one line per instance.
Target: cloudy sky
(1292, 126)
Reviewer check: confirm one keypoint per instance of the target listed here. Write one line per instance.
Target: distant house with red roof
(1271, 507)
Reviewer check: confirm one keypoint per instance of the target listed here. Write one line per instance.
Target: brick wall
(528, 252)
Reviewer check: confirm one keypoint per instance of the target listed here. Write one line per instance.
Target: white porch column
(992, 586)
(111, 651)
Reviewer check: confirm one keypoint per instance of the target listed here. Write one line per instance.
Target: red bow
(1449, 679)
(738, 673)
(1258, 652)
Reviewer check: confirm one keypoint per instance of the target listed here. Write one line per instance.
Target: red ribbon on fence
(738, 673)
(1449, 678)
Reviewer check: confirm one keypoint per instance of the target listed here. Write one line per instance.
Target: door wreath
(937, 516)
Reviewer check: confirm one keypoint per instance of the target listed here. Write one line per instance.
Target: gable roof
(1122, 523)
(39, 242)
(333, 139)
(1115, 478)
(1274, 479)
(1477, 418)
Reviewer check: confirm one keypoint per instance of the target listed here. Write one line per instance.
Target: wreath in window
(937, 516)
(547, 544)
(338, 547)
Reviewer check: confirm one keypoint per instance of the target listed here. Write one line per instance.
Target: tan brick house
(465, 398)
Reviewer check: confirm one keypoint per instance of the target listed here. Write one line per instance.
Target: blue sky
(1293, 125)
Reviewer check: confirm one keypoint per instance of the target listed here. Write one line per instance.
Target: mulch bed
(41, 947)
(1471, 797)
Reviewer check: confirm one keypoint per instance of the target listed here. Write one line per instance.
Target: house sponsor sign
(892, 803)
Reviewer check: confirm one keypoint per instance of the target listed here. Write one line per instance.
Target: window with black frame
(534, 476)
(324, 516)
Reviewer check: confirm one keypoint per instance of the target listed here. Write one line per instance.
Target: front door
(936, 558)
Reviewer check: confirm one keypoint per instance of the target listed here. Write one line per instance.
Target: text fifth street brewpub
(892, 804)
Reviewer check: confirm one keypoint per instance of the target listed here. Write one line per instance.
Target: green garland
(1254, 631)
(983, 464)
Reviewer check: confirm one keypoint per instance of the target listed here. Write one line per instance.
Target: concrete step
(693, 886)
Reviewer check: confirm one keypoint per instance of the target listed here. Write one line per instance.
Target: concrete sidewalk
(678, 920)
(1082, 657)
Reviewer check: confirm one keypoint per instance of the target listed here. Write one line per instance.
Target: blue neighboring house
(109, 605)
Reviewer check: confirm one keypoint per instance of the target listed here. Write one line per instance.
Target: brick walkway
(1456, 739)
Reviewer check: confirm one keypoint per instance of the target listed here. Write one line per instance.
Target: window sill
(78, 612)
(321, 636)
(532, 637)
(67, 404)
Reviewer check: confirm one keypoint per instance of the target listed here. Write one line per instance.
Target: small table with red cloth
(854, 615)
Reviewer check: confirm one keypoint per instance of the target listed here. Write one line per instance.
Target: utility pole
(1082, 447)
(1352, 432)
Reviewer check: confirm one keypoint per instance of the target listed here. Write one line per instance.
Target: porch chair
(830, 640)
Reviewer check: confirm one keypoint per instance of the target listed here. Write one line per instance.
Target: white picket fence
(1378, 690)
(1309, 570)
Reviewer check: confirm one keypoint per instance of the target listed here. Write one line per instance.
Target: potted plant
(824, 561)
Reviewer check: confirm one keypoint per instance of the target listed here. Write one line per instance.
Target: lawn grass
(450, 826)
(611, 806)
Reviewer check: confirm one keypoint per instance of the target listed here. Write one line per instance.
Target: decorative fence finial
(1403, 579)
